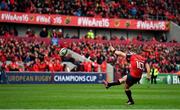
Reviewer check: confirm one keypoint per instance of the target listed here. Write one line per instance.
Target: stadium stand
(40, 55)
(131, 9)
(34, 53)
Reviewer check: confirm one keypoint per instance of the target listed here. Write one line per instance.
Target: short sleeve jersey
(137, 65)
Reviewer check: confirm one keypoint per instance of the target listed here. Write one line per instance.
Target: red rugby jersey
(137, 65)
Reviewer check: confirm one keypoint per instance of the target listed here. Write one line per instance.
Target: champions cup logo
(74, 78)
(116, 23)
(67, 20)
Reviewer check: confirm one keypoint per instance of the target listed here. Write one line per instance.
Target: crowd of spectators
(33, 55)
(24, 55)
(165, 57)
(58, 33)
(44, 33)
(130, 9)
(4, 31)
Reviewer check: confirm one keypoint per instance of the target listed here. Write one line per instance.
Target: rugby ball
(63, 52)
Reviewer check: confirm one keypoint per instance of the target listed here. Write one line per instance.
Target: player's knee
(121, 81)
(126, 89)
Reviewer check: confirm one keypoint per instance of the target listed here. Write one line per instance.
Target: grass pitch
(87, 96)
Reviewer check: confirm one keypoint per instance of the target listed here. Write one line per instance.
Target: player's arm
(117, 52)
(148, 70)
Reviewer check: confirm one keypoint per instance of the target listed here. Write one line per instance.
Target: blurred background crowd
(38, 55)
(131, 9)
(34, 55)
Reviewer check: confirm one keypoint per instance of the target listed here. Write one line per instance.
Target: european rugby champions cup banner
(54, 78)
(62, 20)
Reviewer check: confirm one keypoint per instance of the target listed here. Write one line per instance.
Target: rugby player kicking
(138, 64)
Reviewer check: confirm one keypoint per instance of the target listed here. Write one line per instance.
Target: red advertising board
(62, 20)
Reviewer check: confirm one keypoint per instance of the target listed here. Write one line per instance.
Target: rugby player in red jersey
(138, 64)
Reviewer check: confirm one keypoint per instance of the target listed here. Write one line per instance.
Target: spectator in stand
(30, 33)
(95, 66)
(104, 66)
(54, 41)
(36, 65)
(3, 5)
(163, 38)
(60, 34)
(85, 65)
(13, 66)
(58, 66)
(43, 33)
(90, 35)
(100, 58)
(4, 31)
(54, 37)
(89, 66)
(122, 38)
(133, 12)
(12, 32)
(15, 32)
(78, 12)
(50, 66)
(139, 37)
(1, 31)
(54, 34)
(42, 66)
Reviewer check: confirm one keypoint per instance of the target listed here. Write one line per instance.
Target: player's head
(128, 55)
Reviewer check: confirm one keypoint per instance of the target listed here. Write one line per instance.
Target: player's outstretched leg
(118, 82)
(108, 85)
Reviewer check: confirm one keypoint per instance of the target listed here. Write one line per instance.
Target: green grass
(87, 96)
